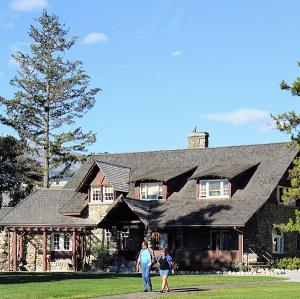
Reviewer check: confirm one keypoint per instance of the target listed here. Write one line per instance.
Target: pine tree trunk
(46, 141)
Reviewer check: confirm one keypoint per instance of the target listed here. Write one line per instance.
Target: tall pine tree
(19, 172)
(51, 92)
(289, 122)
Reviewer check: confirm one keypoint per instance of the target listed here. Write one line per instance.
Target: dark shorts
(164, 272)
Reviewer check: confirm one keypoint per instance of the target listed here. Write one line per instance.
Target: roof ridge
(112, 164)
(189, 149)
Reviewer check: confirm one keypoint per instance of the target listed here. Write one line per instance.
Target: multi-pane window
(277, 241)
(107, 236)
(108, 193)
(102, 193)
(124, 239)
(151, 191)
(67, 242)
(61, 242)
(213, 188)
(223, 240)
(96, 194)
(55, 242)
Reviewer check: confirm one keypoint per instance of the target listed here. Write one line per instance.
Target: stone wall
(97, 211)
(258, 230)
(3, 251)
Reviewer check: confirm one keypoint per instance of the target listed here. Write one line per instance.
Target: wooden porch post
(21, 246)
(74, 250)
(14, 250)
(241, 245)
(44, 249)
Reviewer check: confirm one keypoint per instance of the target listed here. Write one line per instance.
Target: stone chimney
(197, 139)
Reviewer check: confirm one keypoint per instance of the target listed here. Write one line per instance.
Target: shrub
(292, 263)
(101, 253)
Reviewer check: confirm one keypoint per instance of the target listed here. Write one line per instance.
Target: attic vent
(197, 139)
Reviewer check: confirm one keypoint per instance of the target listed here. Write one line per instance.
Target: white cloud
(27, 5)
(176, 53)
(260, 119)
(95, 37)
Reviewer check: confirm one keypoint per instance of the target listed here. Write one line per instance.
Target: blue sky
(167, 66)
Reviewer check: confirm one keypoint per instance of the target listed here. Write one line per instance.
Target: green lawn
(275, 291)
(84, 285)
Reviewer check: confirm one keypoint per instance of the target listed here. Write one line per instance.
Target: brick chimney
(197, 139)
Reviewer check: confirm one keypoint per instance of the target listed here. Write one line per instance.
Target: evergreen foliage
(51, 92)
(289, 122)
(18, 171)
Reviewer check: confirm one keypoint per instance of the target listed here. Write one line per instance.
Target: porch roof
(160, 214)
(43, 207)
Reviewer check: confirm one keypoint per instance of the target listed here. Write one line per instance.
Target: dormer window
(102, 194)
(214, 188)
(151, 191)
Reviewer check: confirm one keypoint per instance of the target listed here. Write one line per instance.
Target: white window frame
(101, 194)
(205, 194)
(279, 240)
(107, 236)
(61, 242)
(145, 185)
(124, 235)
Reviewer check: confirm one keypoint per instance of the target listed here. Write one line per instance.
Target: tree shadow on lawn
(29, 277)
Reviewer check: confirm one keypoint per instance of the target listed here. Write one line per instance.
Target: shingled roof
(163, 174)
(182, 208)
(51, 207)
(225, 171)
(4, 211)
(43, 207)
(117, 175)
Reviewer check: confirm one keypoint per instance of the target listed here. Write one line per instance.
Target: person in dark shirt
(165, 266)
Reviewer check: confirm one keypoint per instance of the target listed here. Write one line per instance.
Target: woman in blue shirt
(165, 265)
(145, 260)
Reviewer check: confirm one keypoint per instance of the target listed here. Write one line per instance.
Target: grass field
(24, 285)
(274, 291)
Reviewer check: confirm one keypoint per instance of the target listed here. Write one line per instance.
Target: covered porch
(196, 246)
(35, 247)
(190, 246)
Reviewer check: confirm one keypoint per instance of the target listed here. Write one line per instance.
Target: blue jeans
(146, 277)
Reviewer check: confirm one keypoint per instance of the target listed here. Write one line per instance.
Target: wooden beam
(44, 249)
(241, 249)
(74, 251)
(14, 250)
(21, 246)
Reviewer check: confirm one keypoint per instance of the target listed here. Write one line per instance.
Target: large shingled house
(205, 204)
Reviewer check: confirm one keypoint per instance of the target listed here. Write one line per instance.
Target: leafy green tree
(19, 173)
(289, 122)
(51, 92)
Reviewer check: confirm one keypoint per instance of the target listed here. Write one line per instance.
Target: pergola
(19, 232)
